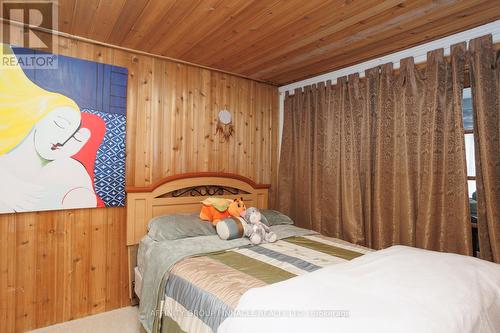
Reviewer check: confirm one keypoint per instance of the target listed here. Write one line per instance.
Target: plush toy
(216, 209)
(257, 231)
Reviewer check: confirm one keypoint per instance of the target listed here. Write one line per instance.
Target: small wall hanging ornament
(225, 125)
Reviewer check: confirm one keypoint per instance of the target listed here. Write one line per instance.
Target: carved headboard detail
(183, 193)
(206, 190)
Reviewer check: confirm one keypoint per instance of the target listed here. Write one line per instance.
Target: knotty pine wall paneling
(62, 265)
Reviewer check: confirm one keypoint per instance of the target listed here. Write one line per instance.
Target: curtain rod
(126, 49)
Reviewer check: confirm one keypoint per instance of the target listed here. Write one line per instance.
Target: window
(469, 141)
(471, 166)
(468, 119)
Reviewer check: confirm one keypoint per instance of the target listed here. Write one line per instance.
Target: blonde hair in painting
(22, 103)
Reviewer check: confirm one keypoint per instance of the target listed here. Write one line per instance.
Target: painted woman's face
(58, 135)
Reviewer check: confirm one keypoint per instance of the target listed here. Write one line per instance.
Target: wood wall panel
(58, 266)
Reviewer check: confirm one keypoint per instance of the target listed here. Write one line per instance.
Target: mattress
(202, 291)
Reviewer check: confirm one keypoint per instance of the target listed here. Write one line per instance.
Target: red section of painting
(88, 153)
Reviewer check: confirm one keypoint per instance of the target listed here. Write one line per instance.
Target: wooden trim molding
(151, 188)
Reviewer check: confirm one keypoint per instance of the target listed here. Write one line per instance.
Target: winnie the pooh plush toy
(256, 230)
(216, 209)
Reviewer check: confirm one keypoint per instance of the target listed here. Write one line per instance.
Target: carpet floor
(122, 320)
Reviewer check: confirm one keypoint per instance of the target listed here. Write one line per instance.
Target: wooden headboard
(183, 193)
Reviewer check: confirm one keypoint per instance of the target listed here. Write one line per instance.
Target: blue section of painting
(90, 84)
(109, 170)
(99, 89)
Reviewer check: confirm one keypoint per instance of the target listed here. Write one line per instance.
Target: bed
(204, 284)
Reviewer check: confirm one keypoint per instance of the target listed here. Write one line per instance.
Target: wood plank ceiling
(278, 41)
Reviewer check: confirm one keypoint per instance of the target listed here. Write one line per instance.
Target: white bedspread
(399, 289)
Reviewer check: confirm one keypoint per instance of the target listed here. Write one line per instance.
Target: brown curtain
(380, 160)
(444, 218)
(485, 84)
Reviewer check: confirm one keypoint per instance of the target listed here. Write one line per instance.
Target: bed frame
(182, 194)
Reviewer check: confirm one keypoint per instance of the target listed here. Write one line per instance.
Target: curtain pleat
(368, 150)
(318, 143)
(331, 200)
(351, 114)
(285, 192)
(295, 186)
(380, 160)
(385, 198)
(443, 222)
(485, 84)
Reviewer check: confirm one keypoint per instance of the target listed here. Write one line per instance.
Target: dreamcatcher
(225, 125)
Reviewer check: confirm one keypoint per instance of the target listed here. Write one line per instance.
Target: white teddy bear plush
(257, 231)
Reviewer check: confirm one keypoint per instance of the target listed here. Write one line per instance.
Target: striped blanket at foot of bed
(202, 291)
